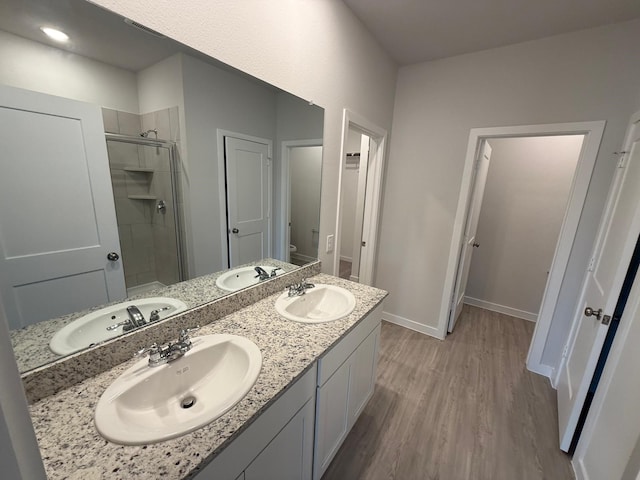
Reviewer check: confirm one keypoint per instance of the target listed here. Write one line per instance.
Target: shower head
(146, 134)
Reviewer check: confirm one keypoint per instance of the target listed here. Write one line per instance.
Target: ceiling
(93, 32)
(414, 31)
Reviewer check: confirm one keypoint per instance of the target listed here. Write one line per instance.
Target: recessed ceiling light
(54, 34)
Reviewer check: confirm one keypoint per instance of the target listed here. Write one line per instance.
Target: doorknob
(113, 256)
(475, 244)
(590, 312)
(235, 230)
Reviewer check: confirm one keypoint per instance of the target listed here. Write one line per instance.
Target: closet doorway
(520, 195)
(592, 135)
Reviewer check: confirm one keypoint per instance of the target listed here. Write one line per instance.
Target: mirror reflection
(137, 168)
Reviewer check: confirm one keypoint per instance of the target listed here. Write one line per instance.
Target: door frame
(373, 196)
(593, 132)
(222, 188)
(282, 249)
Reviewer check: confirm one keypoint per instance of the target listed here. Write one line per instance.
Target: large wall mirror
(140, 178)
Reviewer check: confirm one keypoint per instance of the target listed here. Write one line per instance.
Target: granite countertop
(72, 448)
(31, 343)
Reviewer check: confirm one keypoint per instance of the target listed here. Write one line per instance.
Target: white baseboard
(544, 370)
(353, 278)
(494, 307)
(346, 259)
(411, 325)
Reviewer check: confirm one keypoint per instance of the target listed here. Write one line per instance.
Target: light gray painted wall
(588, 75)
(35, 66)
(524, 204)
(245, 107)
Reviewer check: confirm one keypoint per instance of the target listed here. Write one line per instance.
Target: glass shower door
(144, 183)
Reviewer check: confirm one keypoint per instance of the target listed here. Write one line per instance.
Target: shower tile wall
(147, 236)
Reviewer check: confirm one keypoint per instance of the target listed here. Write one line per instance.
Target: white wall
(317, 50)
(305, 167)
(589, 75)
(524, 204)
(349, 198)
(35, 66)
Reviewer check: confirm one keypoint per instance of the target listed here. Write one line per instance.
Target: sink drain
(188, 402)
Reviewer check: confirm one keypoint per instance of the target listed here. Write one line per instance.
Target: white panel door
(617, 235)
(57, 221)
(248, 200)
(469, 241)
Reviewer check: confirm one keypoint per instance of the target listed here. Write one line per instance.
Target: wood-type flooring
(461, 409)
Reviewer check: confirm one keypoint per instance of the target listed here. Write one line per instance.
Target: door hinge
(565, 350)
(592, 263)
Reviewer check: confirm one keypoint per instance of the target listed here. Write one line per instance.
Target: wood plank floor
(464, 408)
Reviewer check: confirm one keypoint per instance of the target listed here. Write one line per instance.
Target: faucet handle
(153, 348)
(184, 333)
(273, 271)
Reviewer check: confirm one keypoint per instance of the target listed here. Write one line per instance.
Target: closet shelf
(139, 169)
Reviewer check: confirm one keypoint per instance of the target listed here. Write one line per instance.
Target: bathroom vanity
(315, 381)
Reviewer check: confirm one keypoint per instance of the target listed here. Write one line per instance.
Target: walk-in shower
(145, 180)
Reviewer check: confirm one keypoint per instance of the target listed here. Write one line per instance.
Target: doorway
(592, 132)
(366, 142)
(354, 185)
(301, 182)
(519, 199)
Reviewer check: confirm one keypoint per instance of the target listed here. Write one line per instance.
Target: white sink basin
(242, 277)
(150, 404)
(322, 303)
(92, 328)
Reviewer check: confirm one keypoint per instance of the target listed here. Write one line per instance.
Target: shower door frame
(173, 168)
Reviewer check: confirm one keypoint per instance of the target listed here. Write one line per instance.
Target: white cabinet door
(341, 399)
(332, 418)
(289, 456)
(58, 220)
(363, 375)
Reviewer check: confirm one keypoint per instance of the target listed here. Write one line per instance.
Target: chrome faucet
(135, 320)
(161, 354)
(297, 289)
(135, 316)
(262, 273)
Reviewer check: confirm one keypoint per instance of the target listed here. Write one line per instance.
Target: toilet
(292, 249)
